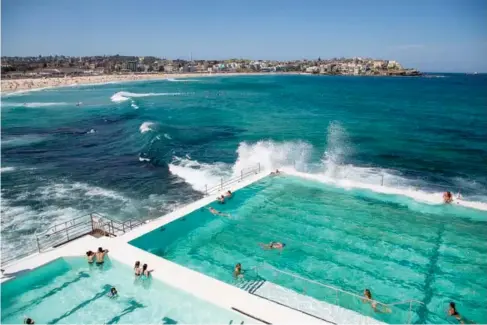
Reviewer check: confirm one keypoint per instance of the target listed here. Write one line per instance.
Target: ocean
(141, 149)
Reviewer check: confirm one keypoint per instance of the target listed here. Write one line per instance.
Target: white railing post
(221, 183)
(38, 246)
(382, 180)
(206, 189)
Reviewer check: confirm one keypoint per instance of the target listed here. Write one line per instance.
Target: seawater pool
(69, 291)
(398, 248)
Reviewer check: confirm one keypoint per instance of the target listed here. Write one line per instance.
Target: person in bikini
(137, 269)
(237, 272)
(100, 256)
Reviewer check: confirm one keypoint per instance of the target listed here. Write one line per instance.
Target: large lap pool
(351, 239)
(68, 291)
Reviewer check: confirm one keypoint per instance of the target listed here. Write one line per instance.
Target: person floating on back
(100, 256)
(447, 197)
(452, 311)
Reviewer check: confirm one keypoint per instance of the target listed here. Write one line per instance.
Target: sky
(429, 35)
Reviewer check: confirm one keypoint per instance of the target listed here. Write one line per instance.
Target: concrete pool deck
(262, 310)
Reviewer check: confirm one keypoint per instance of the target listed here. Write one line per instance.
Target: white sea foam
(199, 174)
(144, 159)
(91, 131)
(167, 136)
(22, 140)
(134, 105)
(7, 169)
(181, 80)
(122, 96)
(146, 127)
(34, 104)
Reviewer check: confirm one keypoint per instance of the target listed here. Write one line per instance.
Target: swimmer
(237, 272)
(276, 172)
(78, 104)
(137, 269)
(100, 256)
(221, 199)
(217, 213)
(273, 245)
(113, 293)
(452, 311)
(145, 271)
(368, 296)
(447, 197)
(90, 256)
(28, 320)
(228, 194)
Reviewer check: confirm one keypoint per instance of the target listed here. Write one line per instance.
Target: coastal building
(131, 66)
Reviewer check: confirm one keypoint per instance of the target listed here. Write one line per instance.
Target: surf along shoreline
(12, 86)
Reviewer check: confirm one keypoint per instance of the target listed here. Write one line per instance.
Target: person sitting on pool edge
(277, 172)
(447, 197)
(100, 256)
(228, 194)
(237, 272)
(221, 199)
(273, 245)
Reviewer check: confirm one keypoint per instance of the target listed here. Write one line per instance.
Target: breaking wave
(181, 80)
(35, 104)
(22, 140)
(123, 96)
(295, 157)
(146, 127)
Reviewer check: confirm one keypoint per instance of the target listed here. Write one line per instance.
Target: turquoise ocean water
(140, 149)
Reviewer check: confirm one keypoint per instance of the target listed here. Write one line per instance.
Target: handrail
(386, 307)
(244, 173)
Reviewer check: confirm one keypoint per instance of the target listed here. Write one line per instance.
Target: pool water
(398, 248)
(69, 291)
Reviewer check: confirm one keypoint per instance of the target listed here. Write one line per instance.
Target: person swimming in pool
(452, 311)
(28, 320)
(221, 199)
(368, 298)
(113, 293)
(228, 194)
(90, 255)
(217, 213)
(237, 272)
(137, 269)
(145, 271)
(100, 256)
(273, 245)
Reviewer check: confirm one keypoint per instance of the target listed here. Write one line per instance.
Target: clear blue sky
(431, 35)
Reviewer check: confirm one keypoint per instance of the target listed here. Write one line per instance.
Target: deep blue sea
(140, 149)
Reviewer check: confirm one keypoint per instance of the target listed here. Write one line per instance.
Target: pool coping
(198, 284)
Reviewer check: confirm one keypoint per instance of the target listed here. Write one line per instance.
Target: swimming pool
(68, 291)
(398, 248)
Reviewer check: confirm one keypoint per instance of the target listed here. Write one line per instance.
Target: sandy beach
(17, 85)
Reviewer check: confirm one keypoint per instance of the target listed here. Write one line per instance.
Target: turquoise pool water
(352, 239)
(68, 291)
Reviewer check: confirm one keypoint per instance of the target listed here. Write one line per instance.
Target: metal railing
(401, 312)
(59, 234)
(244, 173)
